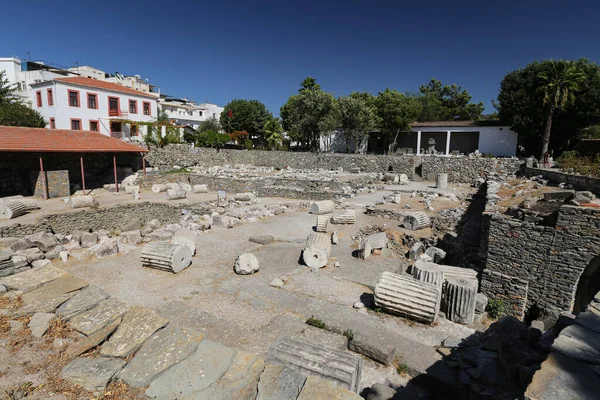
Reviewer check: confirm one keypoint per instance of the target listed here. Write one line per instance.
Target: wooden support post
(43, 176)
(115, 169)
(82, 174)
(144, 163)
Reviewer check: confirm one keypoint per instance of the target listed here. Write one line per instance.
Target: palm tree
(559, 86)
(273, 133)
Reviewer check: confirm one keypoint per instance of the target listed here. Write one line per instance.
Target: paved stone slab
(194, 374)
(240, 382)
(589, 320)
(319, 388)
(376, 346)
(98, 317)
(164, 349)
(92, 373)
(39, 323)
(84, 300)
(578, 342)
(562, 377)
(86, 343)
(261, 239)
(49, 296)
(138, 324)
(278, 382)
(33, 278)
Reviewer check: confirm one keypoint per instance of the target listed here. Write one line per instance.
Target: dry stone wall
(459, 169)
(547, 260)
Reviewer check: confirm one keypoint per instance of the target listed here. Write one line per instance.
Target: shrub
(212, 139)
(571, 161)
(495, 308)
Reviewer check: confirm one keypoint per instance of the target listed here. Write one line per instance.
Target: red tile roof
(13, 138)
(95, 83)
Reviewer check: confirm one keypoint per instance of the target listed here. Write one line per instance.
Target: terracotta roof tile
(95, 83)
(13, 138)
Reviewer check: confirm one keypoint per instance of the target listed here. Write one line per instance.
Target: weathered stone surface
(185, 237)
(86, 343)
(138, 324)
(29, 280)
(481, 302)
(164, 349)
(415, 251)
(589, 320)
(244, 196)
(317, 250)
(82, 301)
(376, 346)
(322, 207)
(131, 237)
(436, 254)
(417, 220)
(579, 343)
(340, 367)
(50, 295)
(335, 237)
(19, 261)
(246, 264)
(278, 382)
(40, 263)
(92, 373)
(39, 323)
(172, 257)
(88, 239)
(379, 391)
(21, 244)
(319, 388)
(261, 239)
(108, 247)
(93, 320)
(32, 254)
(459, 300)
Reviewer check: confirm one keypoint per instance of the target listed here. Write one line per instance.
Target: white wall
(63, 113)
(495, 140)
(337, 143)
(12, 68)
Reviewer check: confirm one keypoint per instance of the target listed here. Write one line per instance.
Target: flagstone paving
(84, 300)
(95, 319)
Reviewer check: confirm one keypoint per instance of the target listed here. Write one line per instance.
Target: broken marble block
(246, 264)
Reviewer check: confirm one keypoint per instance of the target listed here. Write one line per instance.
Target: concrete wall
(579, 182)
(549, 259)
(499, 141)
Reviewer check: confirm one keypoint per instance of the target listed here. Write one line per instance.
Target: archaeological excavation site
(187, 273)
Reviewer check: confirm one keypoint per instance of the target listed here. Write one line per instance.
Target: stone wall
(460, 169)
(579, 182)
(110, 218)
(57, 183)
(550, 259)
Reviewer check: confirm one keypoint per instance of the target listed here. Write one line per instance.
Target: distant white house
(186, 112)
(79, 103)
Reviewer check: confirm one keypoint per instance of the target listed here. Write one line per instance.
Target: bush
(572, 162)
(495, 308)
(248, 144)
(212, 139)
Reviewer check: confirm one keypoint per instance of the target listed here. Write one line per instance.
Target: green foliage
(396, 112)
(154, 135)
(401, 366)
(211, 124)
(495, 308)
(272, 133)
(449, 102)
(572, 162)
(163, 117)
(316, 323)
(349, 333)
(212, 139)
(17, 114)
(357, 117)
(247, 115)
(521, 105)
(190, 136)
(6, 89)
(309, 114)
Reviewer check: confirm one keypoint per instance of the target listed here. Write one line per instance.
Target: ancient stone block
(82, 201)
(316, 250)
(172, 257)
(347, 217)
(417, 220)
(93, 320)
(246, 264)
(459, 300)
(12, 209)
(322, 207)
(92, 374)
(278, 382)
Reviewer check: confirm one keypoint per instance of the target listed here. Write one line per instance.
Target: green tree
(211, 124)
(212, 139)
(13, 112)
(559, 86)
(272, 133)
(246, 115)
(453, 102)
(309, 114)
(521, 106)
(358, 117)
(396, 112)
(163, 117)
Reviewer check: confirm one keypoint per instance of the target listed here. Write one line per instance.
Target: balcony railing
(115, 112)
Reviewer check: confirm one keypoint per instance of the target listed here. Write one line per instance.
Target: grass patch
(349, 333)
(496, 308)
(317, 323)
(400, 365)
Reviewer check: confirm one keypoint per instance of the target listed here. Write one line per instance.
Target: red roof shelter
(40, 140)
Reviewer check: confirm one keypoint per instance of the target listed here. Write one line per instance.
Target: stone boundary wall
(550, 259)
(579, 182)
(511, 290)
(266, 187)
(460, 169)
(110, 218)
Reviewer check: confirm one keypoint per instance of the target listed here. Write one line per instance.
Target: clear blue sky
(262, 49)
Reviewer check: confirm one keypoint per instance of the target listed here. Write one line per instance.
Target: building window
(113, 106)
(52, 123)
(133, 130)
(146, 108)
(200, 113)
(133, 106)
(92, 101)
(115, 127)
(214, 115)
(38, 97)
(93, 126)
(75, 124)
(74, 98)
(50, 98)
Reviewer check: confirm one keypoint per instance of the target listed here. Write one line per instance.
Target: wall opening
(588, 285)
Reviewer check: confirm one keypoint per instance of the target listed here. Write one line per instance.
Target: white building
(186, 112)
(80, 103)
(22, 74)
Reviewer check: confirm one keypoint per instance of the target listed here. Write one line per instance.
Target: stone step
(31, 279)
(578, 342)
(98, 317)
(49, 296)
(84, 300)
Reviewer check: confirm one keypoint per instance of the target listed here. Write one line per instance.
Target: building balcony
(114, 112)
(126, 136)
